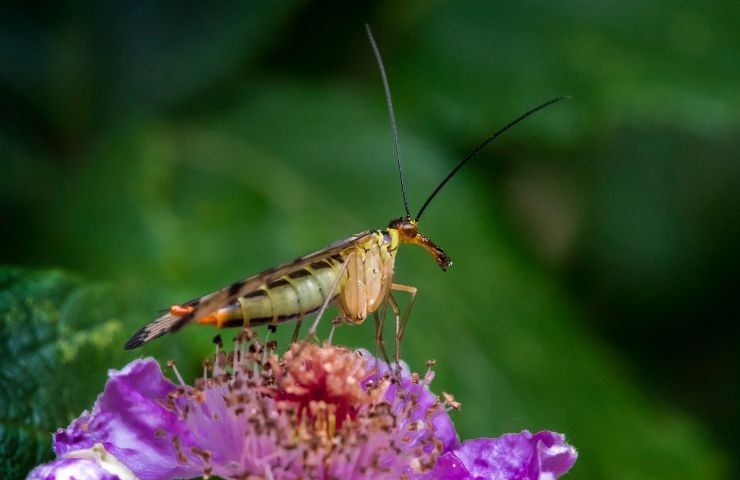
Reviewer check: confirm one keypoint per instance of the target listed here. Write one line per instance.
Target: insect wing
(207, 304)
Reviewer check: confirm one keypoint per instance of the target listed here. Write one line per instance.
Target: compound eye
(409, 229)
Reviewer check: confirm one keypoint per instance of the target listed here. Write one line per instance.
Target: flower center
(317, 411)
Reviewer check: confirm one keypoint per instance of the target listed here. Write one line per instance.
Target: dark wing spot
(235, 287)
(190, 303)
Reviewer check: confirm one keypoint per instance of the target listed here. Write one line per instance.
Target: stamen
(315, 409)
(450, 402)
(429, 376)
(171, 364)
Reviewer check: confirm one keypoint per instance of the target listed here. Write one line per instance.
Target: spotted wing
(208, 304)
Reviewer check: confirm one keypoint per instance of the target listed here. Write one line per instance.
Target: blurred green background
(153, 151)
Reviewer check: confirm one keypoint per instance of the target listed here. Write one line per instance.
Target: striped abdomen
(298, 293)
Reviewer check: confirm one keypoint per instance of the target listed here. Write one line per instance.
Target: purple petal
(514, 456)
(129, 419)
(442, 424)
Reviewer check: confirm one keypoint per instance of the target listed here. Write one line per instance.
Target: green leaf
(56, 335)
(509, 342)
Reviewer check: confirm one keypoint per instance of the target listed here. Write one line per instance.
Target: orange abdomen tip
(179, 310)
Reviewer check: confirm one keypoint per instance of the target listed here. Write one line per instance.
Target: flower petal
(128, 419)
(514, 456)
(441, 423)
(89, 464)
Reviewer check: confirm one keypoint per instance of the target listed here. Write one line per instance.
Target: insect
(355, 274)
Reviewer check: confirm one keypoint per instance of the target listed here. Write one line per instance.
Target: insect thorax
(369, 268)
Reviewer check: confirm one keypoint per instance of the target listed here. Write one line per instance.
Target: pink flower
(316, 412)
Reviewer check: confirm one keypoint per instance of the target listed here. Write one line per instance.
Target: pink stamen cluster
(317, 412)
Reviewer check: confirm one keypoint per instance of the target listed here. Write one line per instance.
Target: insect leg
(299, 308)
(336, 321)
(297, 329)
(401, 327)
(396, 313)
(379, 345)
(329, 296)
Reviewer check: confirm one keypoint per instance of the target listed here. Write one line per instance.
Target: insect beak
(442, 259)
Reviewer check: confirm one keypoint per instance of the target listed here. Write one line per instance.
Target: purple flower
(316, 412)
(127, 420)
(514, 456)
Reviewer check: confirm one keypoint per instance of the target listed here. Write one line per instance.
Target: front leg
(401, 322)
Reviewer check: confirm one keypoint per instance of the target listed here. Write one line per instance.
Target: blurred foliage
(172, 149)
(55, 330)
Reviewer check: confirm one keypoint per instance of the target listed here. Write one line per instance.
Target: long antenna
(392, 117)
(483, 145)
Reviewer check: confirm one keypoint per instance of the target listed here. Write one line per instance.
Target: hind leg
(329, 297)
(297, 329)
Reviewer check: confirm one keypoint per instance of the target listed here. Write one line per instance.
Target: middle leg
(329, 297)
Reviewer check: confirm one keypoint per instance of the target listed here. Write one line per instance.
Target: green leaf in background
(170, 151)
(57, 336)
(172, 221)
